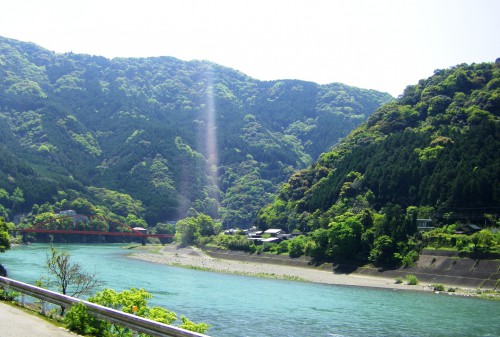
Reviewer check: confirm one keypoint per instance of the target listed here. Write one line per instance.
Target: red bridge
(88, 225)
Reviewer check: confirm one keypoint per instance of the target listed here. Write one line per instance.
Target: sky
(374, 44)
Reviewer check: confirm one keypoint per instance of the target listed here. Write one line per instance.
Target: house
(468, 229)
(231, 231)
(275, 239)
(285, 236)
(68, 212)
(75, 216)
(274, 232)
(256, 234)
(140, 230)
(424, 224)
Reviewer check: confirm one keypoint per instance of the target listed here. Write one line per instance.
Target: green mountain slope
(174, 135)
(433, 152)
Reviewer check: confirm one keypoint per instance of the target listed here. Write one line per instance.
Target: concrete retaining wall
(432, 267)
(453, 271)
(259, 258)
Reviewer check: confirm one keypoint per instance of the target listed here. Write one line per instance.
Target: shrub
(8, 295)
(399, 280)
(239, 242)
(296, 246)
(78, 320)
(412, 280)
(452, 290)
(410, 259)
(269, 247)
(282, 247)
(438, 287)
(196, 327)
(205, 240)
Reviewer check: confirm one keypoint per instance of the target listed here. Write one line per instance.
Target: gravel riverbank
(191, 257)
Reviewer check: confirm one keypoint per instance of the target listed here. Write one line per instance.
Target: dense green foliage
(4, 242)
(4, 236)
(133, 301)
(435, 152)
(168, 135)
(191, 229)
(481, 243)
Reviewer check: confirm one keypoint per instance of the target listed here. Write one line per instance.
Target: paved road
(16, 323)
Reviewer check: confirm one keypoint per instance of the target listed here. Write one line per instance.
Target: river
(247, 306)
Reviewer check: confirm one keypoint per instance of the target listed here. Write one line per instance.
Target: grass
(489, 295)
(261, 275)
(148, 248)
(34, 311)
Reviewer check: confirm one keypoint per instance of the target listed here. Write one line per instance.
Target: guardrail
(130, 321)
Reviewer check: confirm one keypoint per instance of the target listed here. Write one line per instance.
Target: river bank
(191, 257)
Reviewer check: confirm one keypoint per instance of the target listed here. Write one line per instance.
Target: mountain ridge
(143, 127)
(434, 153)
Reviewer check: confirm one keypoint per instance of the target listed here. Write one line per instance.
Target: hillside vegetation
(432, 153)
(157, 138)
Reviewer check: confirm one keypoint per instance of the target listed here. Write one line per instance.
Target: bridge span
(78, 224)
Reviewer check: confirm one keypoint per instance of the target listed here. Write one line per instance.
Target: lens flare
(210, 134)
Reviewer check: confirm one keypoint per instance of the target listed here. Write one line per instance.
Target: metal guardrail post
(44, 308)
(130, 321)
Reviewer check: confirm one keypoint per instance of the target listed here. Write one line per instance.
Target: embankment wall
(446, 268)
(432, 267)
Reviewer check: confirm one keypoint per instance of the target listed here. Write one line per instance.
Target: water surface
(246, 306)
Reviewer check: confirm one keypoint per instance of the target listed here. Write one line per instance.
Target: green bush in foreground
(8, 295)
(79, 321)
(412, 280)
(399, 280)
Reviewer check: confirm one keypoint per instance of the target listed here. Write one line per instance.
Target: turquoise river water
(246, 306)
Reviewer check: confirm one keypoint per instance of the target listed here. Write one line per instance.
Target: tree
(68, 276)
(17, 198)
(297, 246)
(186, 231)
(133, 221)
(345, 237)
(82, 206)
(382, 251)
(4, 197)
(318, 248)
(411, 220)
(206, 225)
(189, 230)
(4, 242)
(4, 236)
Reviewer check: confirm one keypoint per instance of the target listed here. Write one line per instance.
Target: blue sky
(383, 45)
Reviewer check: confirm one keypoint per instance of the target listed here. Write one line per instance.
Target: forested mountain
(158, 137)
(434, 152)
